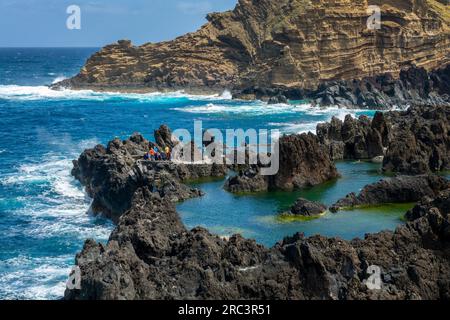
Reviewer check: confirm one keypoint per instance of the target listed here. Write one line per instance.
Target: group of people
(158, 155)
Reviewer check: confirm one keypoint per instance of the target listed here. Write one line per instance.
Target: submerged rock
(402, 189)
(303, 207)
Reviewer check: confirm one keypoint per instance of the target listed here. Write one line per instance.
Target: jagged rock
(268, 48)
(303, 162)
(150, 255)
(402, 189)
(351, 139)
(414, 85)
(111, 175)
(415, 141)
(304, 207)
(421, 141)
(163, 137)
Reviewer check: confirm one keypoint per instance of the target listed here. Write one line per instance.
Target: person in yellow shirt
(167, 151)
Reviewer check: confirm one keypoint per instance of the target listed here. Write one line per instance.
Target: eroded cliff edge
(290, 47)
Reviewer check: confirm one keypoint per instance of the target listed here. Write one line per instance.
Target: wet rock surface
(402, 189)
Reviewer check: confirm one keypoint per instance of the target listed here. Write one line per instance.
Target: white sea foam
(292, 127)
(261, 108)
(34, 278)
(15, 92)
(57, 211)
(252, 107)
(59, 79)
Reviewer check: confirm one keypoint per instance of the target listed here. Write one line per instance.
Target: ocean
(43, 210)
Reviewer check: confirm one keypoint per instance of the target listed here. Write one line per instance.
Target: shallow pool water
(257, 216)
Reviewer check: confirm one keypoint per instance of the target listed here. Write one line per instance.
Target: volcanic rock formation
(293, 49)
(150, 255)
(304, 207)
(111, 175)
(402, 189)
(415, 141)
(303, 162)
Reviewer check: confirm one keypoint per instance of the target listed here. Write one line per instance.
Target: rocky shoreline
(151, 255)
(293, 49)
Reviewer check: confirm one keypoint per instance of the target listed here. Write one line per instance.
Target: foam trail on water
(30, 93)
(56, 214)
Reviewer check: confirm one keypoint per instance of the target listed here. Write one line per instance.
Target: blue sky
(42, 23)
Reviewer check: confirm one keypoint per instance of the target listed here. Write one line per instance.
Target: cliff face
(280, 43)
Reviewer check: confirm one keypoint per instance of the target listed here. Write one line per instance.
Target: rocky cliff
(288, 46)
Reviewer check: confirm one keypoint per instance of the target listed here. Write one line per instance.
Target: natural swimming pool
(257, 216)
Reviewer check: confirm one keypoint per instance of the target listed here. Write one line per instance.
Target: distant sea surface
(43, 210)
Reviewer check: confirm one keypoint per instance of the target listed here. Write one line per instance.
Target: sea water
(43, 210)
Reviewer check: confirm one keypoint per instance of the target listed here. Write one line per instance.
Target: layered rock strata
(293, 49)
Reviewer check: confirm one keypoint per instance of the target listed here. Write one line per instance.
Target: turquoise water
(258, 216)
(43, 219)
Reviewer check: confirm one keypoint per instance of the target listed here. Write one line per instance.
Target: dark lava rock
(420, 142)
(416, 141)
(413, 86)
(303, 207)
(151, 255)
(354, 138)
(303, 163)
(402, 189)
(278, 99)
(163, 137)
(111, 175)
(247, 180)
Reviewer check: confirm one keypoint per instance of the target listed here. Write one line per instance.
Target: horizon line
(51, 47)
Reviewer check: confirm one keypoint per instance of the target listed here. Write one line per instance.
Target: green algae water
(258, 216)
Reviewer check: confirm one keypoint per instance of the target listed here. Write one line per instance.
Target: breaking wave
(54, 209)
(15, 92)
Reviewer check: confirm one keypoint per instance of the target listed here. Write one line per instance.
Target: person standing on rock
(152, 154)
(167, 151)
